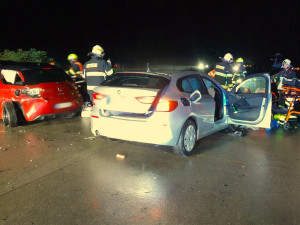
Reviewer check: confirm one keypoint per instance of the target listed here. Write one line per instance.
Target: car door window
(18, 80)
(191, 84)
(11, 77)
(186, 86)
(251, 86)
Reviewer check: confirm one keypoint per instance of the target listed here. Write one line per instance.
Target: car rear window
(45, 75)
(136, 80)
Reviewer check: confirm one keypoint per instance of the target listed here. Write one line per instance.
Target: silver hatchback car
(176, 108)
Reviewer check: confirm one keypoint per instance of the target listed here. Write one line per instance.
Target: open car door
(250, 102)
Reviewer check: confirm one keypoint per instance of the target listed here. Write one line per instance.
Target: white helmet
(98, 51)
(228, 57)
(287, 61)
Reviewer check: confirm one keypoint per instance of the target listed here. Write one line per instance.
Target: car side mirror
(195, 96)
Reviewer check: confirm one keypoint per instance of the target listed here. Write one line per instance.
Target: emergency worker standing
(96, 69)
(286, 72)
(239, 71)
(223, 71)
(76, 67)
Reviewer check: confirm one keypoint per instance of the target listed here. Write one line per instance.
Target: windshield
(45, 75)
(136, 80)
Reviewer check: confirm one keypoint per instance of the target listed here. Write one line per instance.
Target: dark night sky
(158, 31)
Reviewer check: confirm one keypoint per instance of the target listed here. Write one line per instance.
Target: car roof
(12, 65)
(167, 74)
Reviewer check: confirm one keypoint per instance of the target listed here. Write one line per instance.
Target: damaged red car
(35, 91)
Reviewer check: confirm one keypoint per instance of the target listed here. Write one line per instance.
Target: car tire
(286, 126)
(10, 117)
(187, 139)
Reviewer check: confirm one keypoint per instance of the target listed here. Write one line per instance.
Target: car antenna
(148, 67)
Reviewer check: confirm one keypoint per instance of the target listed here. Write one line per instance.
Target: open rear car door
(250, 102)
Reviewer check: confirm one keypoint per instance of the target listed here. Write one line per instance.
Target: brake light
(47, 68)
(145, 100)
(166, 105)
(98, 96)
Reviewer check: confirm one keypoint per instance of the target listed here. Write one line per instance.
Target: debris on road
(3, 148)
(120, 156)
(89, 138)
(236, 134)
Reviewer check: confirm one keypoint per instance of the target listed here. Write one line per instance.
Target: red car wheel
(10, 115)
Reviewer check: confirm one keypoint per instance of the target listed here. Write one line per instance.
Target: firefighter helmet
(72, 56)
(98, 50)
(287, 61)
(228, 57)
(240, 60)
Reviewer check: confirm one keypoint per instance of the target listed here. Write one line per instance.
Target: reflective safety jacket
(212, 73)
(223, 74)
(240, 73)
(286, 73)
(95, 71)
(76, 68)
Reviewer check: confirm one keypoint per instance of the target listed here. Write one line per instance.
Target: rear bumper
(55, 115)
(38, 109)
(156, 129)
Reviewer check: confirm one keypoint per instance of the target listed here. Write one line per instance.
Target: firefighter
(223, 72)
(96, 69)
(239, 71)
(76, 67)
(286, 72)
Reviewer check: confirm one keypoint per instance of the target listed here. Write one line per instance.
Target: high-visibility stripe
(91, 88)
(212, 73)
(80, 81)
(220, 74)
(110, 72)
(94, 74)
(71, 71)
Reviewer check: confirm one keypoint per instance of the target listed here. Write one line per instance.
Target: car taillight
(145, 100)
(166, 105)
(97, 96)
(32, 92)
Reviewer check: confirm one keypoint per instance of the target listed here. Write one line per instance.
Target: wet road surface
(55, 172)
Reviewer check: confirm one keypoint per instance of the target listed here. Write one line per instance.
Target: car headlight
(32, 92)
(201, 66)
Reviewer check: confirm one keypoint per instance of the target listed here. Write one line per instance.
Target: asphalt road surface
(56, 172)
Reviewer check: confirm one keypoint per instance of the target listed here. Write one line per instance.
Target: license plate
(63, 105)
